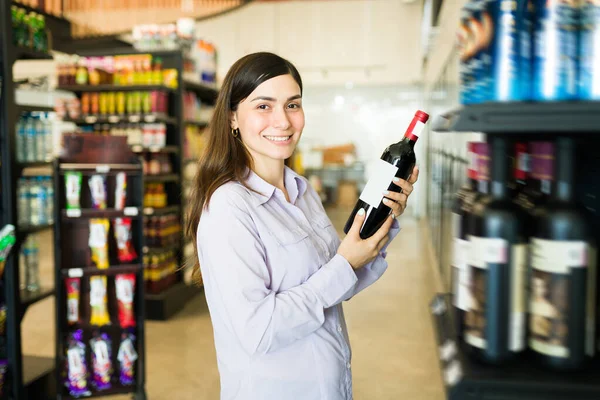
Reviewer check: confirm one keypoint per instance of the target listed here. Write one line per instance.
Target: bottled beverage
(34, 200)
(49, 154)
(21, 140)
(521, 169)
(563, 273)
(30, 142)
(495, 316)
(589, 51)
(398, 160)
(50, 199)
(40, 140)
(31, 264)
(23, 195)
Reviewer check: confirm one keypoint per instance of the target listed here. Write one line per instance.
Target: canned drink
(555, 66)
(527, 13)
(589, 56)
(477, 52)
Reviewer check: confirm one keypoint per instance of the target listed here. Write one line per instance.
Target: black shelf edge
(154, 149)
(34, 228)
(161, 178)
(205, 91)
(465, 378)
(23, 53)
(34, 164)
(91, 271)
(201, 124)
(33, 108)
(113, 88)
(113, 391)
(87, 213)
(162, 306)
(29, 298)
(151, 211)
(129, 118)
(161, 249)
(99, 168)
(522, 117)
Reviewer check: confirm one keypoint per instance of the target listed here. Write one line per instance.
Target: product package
(125, 288)
(98, 242)
(2, 319)
(100, 346)
(73, 189)
(77, 372)
(121, 191)
(3, 369)
(98, 191)
(7, 241)
(122, 230)
(73, 286)
(589, 51)
(127, 357)
(99, 301)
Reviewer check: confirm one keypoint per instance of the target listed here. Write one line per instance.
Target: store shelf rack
(128, 118)
(104, 155)
(463, 377)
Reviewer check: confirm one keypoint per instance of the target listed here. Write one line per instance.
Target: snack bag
(121, 191)
(125, 288)
(98, 301)
(73, 189)
(127, 356)
(100, 346)
(98, 242)
(73, 294)
(76, 380)
(98, 191)
(122, 231)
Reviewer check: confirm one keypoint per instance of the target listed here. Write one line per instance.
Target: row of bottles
(34, 138)
(524, 273)
(35, 201)
(29, 264)
(29, 29)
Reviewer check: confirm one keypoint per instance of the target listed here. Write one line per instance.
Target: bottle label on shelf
(553, 263)
(381, 177)
(103, 169)
(453, 373)
(518, 307)
(476, 293)
(130, 211)
(462, 277)
(75, 272)
(74, 213)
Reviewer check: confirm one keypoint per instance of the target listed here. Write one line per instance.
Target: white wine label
(475, 293)
(552, 262)
(590, 331)
(518, 296)
(453, 373)
(380, 180)
(524, 162)
(462, 278)
(495, 251)
(418, 129)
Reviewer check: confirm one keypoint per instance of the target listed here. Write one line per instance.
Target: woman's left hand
(397, 201)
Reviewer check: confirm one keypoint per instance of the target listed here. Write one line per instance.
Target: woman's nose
(280, 119)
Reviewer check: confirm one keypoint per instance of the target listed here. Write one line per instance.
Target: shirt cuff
(333, 280)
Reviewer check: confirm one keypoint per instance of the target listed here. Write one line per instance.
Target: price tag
(131, 211)
(137, 148)
(74, 213)
(134, 118)
(114, 119)
(154, 149)
(148, 210)
(150, 118)
(103, 169)
(75, 272)
(453, 373)
(91, 119)
(448, 350)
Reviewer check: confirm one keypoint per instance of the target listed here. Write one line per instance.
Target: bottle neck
(564, 188)
(500, 168)
(409, 139)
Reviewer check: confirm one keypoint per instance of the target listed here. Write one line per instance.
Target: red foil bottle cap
(422, 116)
(417, 125)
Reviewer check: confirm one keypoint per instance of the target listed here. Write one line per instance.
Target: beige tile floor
(390, 331)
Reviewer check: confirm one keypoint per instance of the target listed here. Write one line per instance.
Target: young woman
(275, 272)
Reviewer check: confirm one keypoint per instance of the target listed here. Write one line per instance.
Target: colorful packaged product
(589, 51)
(98, 242)
(122, 230)
(77, 372)
(121, 191)
(125, 288)
(99, 301)
(73, 286)
(98, 191)
(127, 357)
(100, 345)
(73, 189)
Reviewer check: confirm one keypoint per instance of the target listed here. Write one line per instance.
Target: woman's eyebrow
(266, 98)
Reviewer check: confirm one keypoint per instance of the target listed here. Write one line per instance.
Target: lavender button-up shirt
(274, 286)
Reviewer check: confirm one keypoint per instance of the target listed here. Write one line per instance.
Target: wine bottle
(398, 160)
(563, 273)
(521, 169)
(495, 316)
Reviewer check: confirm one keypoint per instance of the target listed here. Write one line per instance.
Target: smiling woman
(275, 272)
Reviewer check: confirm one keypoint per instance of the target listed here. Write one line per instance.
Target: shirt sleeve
(232, 257)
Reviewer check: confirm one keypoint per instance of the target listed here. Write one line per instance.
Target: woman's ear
(233, 124)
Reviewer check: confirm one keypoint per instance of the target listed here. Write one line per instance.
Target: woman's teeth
(278, 138)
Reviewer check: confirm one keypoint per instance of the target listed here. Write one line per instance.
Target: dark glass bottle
(563, 273)
(495, 316)
(398, 160)
(521, 169)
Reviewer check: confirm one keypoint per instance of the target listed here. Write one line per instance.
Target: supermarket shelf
(150, 211)
(155, 149)
(34, 164)
(113, 88)
(112, 270)
(519, 118)
(29, 298)
(74, 215)
(38, 377)
(161, 249)
(190, 160)
(113, 391)
(206, 92)
(99, 168)
(115, 119)
(201, 124)
(23, 53)
(161, 178)
(26, 230)
(464, 378)
(30, 108)
(161, 307)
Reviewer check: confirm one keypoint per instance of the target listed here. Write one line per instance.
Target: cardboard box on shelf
(347, 194)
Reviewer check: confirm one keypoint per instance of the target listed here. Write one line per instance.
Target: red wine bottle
(476, 186)
(563, 273)
(495, 316)
(398, 160)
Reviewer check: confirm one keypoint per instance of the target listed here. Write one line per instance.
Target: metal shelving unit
(463, 377)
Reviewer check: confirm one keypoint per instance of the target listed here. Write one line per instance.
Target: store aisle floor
(394, 355)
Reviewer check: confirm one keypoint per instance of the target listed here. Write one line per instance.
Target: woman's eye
(294, 105)
(263, 107)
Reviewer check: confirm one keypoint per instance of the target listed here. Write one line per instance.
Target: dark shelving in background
(155, 149)
(205, 92)
(149, 211)
(32, 108)
(162, 178)
(200, 124)
(115, 88)
(126, 118)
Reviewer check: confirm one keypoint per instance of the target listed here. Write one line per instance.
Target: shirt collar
(295, 185)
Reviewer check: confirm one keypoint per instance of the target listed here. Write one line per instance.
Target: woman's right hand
(359, 252)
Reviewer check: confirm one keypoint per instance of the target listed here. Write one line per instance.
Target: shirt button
(348, 365)
(339, 328)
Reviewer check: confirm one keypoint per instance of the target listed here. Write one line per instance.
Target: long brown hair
(225, 157)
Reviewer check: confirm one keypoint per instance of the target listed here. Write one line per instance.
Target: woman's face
(271, 119)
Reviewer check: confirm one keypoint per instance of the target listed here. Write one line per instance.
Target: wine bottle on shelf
(478, 159)
(495, 316)
(521, 169)
(398, 160)
(563, 273)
